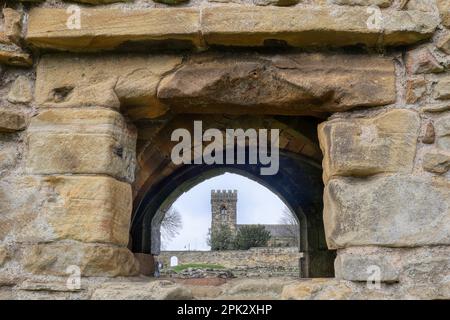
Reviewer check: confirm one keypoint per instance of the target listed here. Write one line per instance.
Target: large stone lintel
(313, 26)
(292, 84)
(104, 29)
(110, 28)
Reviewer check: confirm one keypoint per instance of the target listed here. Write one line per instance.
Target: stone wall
(288, 258)
(84, 133)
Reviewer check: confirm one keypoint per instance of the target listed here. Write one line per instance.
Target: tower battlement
(223, 194)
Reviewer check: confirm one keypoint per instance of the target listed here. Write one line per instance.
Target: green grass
(182, 267)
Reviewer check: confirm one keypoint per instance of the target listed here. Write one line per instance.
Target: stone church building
(224, 212)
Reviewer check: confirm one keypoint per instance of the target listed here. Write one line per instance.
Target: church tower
(223, 209)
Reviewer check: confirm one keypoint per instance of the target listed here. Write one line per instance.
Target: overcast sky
(256, 204)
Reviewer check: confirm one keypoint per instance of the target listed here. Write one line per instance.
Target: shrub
(249, 236)
(221, 239)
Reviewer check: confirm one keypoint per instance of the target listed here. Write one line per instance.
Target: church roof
(278, 230)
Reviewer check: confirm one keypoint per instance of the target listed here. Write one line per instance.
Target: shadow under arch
(298, 184)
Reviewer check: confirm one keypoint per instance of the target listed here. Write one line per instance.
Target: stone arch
(299, 166)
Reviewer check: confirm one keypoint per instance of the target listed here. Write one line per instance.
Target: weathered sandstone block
(289, 84)
(444, 9)
(360, 263)
(8, 156)
(361, 147)
(92, 259)
(442, 89)
(112, 28)
(422, 60)
(379, 3)
(15, 57)
(295, 84)
(96, 1)
(3, 254)
(312, 26)
(281, 3)
(11, 121)
(87, 209)
(415, 89)
(436, 162)
(82, 141)
(155, 290)
(444, 43)
(227, 25)
(107, 81)
(442, 128)
(12, 24)
(318, 289)
(18, 201)
(413, 267)
(21, 91)
(397, 211)
(429, 136)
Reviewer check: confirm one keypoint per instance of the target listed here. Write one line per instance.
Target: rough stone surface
(92, 259)
(281, 3)
(152, 290)
(227, 25)
(422, 60)
(171, 2)
(21, 91)
(289, 84)
(89, 141)
(8, 156)
(415, 268)
(317, 289)
(415, 89)
(429, 136)
(109, 81)
(357, 264)
(442, 89)
(254, 289)
(317, 26)
(88, 209)
(444, 9)
(379, 3)
(444, 43)
(15, 57)
(94, 1)
(12, 24)
(11, 121)
(16, 207)
(396, 210)
(4, 255)
(436, 162)
(361, 147)
(442, 128)
(111, 28)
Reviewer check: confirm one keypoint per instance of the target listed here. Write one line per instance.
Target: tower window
(223, 211)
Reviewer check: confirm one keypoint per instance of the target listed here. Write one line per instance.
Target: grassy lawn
(182, 267)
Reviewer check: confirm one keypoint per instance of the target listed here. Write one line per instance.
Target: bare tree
(171, 224)
(292, 227)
